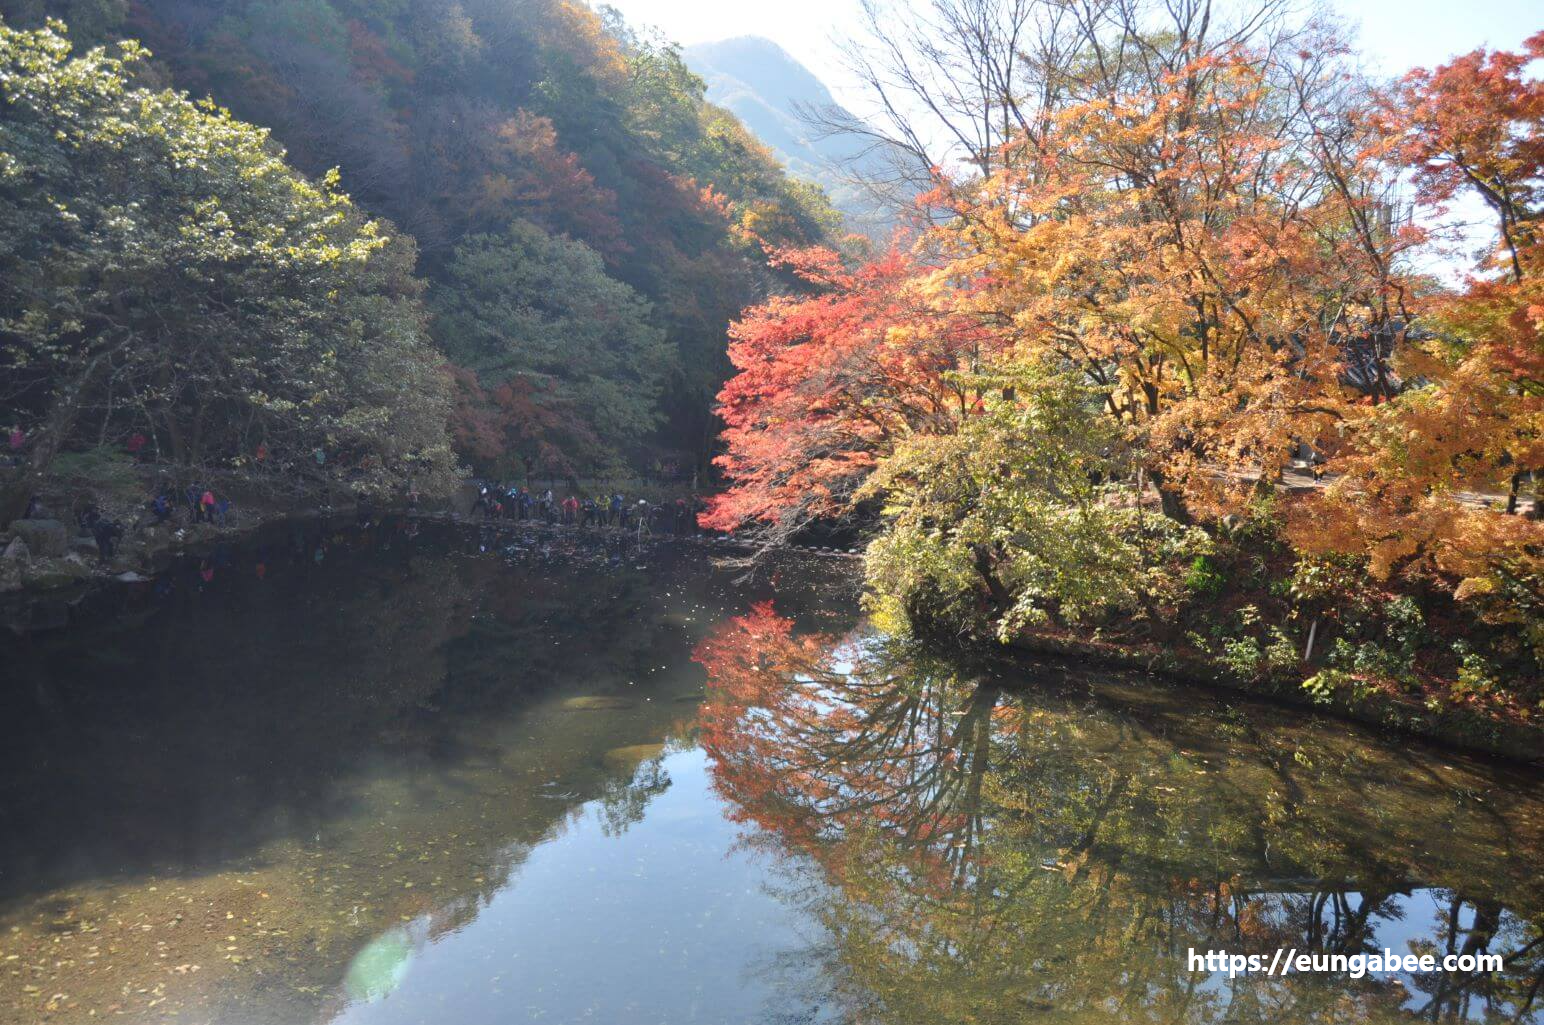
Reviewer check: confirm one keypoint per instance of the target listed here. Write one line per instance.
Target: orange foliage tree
(1472, 419)
(1175, 236)
(1205, 226)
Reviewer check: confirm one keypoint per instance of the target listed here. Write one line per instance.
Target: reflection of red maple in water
(811, 740)
(1107, 849)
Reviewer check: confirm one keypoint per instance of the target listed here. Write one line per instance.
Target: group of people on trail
(495, 501)
(204, 506)
(201, 503)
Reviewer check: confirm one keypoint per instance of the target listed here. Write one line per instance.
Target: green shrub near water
(1016, 503)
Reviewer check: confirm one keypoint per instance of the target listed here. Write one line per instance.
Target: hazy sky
(1396, 34)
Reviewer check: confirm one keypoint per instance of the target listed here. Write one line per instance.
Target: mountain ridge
(768, 88)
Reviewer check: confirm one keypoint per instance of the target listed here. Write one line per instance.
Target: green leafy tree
(1006, 522)
(525, 306)
(163, 271)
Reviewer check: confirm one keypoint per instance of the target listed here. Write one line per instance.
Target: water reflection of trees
(992, 855)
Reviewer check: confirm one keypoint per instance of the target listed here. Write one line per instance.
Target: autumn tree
(833, 380)
(1172, 234)
(1472, 420)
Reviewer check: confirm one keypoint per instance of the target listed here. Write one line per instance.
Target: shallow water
(387, 776)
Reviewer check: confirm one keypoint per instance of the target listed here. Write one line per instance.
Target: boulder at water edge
(45, 538)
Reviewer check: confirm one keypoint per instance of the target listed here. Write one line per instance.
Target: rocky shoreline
(1455, 726)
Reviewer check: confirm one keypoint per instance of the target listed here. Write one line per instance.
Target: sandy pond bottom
(390, 776)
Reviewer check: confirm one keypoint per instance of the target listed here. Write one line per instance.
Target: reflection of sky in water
(1403, 925)
(667, 922)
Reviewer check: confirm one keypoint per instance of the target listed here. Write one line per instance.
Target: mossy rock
(599, 703)
(44, 538)
(631, 756)
(55, 573)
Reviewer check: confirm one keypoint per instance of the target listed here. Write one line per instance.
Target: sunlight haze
(1395, 35)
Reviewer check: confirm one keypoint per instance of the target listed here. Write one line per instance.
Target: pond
(407, 773)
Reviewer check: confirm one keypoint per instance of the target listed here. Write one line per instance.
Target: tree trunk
(985, 567)
(1170, 501)
(47, 440)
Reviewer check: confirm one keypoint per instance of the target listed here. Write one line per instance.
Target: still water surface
(396, 776)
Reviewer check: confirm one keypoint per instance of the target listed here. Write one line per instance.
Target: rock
(631, 756)
(16, 551)
(131, 577)
(598, 703)
(56, 573)
(86, 547)
(45, 538)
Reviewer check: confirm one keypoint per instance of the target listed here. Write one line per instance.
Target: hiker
(570, 510)
(192, 495)
(105, 532)
(615, 516)
(223, 509)
(161, 508)
(206, 505)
